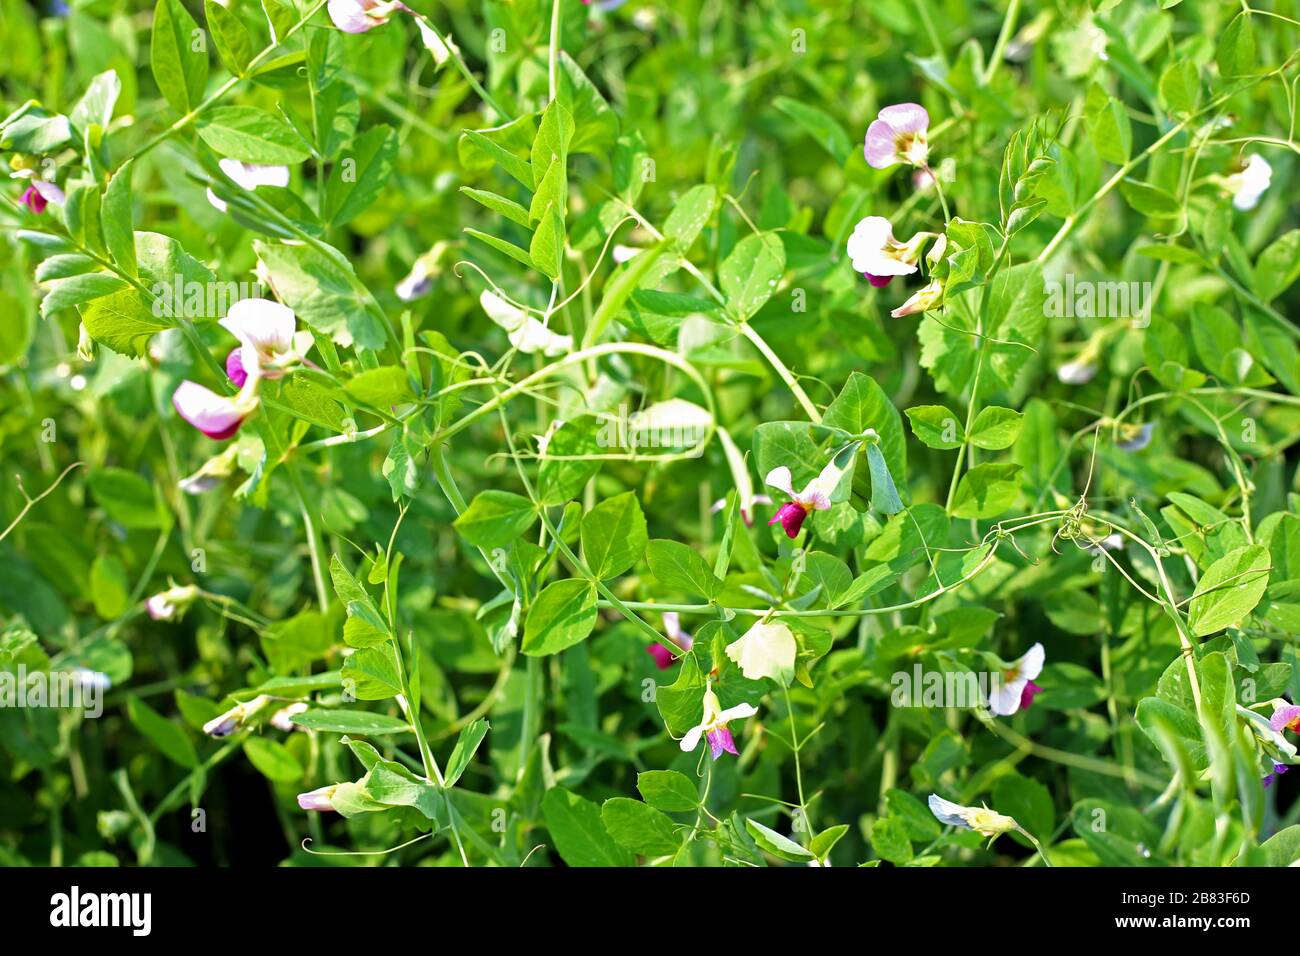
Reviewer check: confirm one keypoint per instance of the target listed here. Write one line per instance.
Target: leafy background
(723, 141)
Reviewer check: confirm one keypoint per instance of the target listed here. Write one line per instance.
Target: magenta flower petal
(1027, 695)
(1285, 717)
(791, 516)
(662, 655)
(880, 151)
(878, 282)
(210, 413)
(33, 200)
(719, 740)
(235, 367)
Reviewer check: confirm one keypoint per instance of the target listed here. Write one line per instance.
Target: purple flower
(1285, 716)
(235, 368)
(713, 725)
(878, 282)
(1027, 695)
(33, 200)
(1278, 770)
(663, 656)
(816, 496)
(215, 415)
(721, 740)
(898, 136)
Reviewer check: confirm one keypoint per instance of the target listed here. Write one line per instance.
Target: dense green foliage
(569, 284)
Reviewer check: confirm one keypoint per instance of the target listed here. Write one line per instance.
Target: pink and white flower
(170, 604)
(664, 657)
(358, 16)
(816, 496)
(319, 799)
(898, 136)
(924, 299)
(1017, 687)
(39, 193)
(1285, 717)
(875, 252)
(713, 725)
(269, 339)
(217, 416)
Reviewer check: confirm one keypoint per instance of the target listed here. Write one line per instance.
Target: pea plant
(549, 432)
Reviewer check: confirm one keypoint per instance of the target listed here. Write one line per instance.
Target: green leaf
(380, 388)
(356, 723)
(890, 840)
(667, 790)
(774, 843)
(495, 518)
(1283, 847)
(884, 495)
(251, 135)
(578, 833)
(180, 70)
(127, 498)
(681, 568)
(79, 290)
(563, 615)
(110, 589)
(1180, 86)
(169, 737)
(750, 273)
(471, 735)
(640, 828)
(1236, 54)
(230, 36)
(500, 245)
(614, 535)
(1108, 126)
(547, 248)
(986, 491)
(1229, 590)
(273, 760)
(359, 174)
(499, 205)
(821, 126)
(1149, 200)
(996, 428)
(1026, 801)
(117, 219)
(936, 426)
(1278, 266)
(373, 673)
(324, 293)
